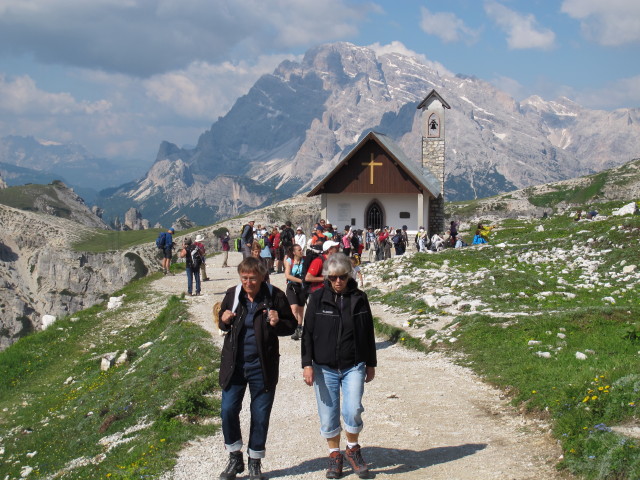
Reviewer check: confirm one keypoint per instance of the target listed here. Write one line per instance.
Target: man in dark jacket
(254, 314)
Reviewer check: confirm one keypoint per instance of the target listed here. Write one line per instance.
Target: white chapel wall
(340, 209)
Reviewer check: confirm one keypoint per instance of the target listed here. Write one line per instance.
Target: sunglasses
(333, 278)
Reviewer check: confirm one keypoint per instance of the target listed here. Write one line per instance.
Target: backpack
(397, 239)
(308, 258)
(286, 237)
(161, 240)
(355, 242)
(194, 257)
(237, 244)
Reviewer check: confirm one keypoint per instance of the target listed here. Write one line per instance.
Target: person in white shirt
(300, 238)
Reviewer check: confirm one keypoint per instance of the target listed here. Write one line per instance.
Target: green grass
(163, 390)
(529, 293)
(111, 240)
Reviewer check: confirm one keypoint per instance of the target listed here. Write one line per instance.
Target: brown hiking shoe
(354, 455)
(334, 469)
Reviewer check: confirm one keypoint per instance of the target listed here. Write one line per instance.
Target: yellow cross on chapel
(371, 164)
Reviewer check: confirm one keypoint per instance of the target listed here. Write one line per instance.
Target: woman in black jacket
(254, 314)
(339, 356)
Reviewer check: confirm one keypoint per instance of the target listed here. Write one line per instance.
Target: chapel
(377, 185)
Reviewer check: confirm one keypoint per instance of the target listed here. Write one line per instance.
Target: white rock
(628, 209)
(453, 340)
(561, 335)
(47, 321)
(609, 299)
(145, 345)
(26, 471)
(107, 361)
(115, 302)
(68, 381)
(544, 354)
(447, 300)
(534, 342)
(32, 454)
(123, 357)
(629, 268)
(540, 228)
(581, 356)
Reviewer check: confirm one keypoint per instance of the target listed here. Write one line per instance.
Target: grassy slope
(150, 402)
(582, 398)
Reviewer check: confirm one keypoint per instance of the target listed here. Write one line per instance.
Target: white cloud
(610, 23)
(447, 26)
(522, 30)
(622, 93)
(21, 96)
(204, 91)
(399, 47)
(142, 38)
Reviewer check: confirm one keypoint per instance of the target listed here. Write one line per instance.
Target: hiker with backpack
(246, 239)
(254, 314)
(312, 274)
(224, 240)
(203, 267)
(193, 260)
(165, 243)
(293, 268)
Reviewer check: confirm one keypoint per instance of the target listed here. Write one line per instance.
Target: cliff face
(41, 274)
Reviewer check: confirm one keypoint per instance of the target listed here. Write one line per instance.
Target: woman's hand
(227, 317)
(307, 374)
(370, 374)
(273, 317)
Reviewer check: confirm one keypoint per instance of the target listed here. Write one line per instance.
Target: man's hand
(273, 317)
(227, 317)
(370, 374)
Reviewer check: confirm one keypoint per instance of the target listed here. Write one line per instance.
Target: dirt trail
(425, 417)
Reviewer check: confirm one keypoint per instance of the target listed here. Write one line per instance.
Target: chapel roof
(433, 94)
(422, 177)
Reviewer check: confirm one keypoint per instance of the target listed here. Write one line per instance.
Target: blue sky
(119, 76)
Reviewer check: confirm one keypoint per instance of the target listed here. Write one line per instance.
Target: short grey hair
(337, 264)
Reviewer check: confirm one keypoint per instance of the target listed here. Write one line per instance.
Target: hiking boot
(255, 472)
(297, 334)
(354, 455)
(234, 466)
(334, 469)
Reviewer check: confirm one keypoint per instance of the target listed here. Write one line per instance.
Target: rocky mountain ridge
(295, 124)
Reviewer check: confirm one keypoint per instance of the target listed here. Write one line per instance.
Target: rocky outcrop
(133, 220)
(40, 273)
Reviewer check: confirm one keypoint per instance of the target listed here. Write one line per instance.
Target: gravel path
(425, 417)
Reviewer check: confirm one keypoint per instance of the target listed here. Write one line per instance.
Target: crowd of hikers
(322, 306)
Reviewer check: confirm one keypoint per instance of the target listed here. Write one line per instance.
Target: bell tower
(433, 153)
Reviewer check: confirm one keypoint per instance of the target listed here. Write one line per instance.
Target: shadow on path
(380, 459)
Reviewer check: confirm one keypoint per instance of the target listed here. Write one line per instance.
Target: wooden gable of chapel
(376, 166)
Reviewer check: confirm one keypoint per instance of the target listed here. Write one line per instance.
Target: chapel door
(374, 216)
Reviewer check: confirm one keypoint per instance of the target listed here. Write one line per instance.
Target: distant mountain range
(27, 160)
(295, 124)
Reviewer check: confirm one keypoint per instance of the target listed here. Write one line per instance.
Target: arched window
(374, 216)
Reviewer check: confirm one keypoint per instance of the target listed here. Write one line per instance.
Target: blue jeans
(261, 403)
(327, 384)
(193, 272)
